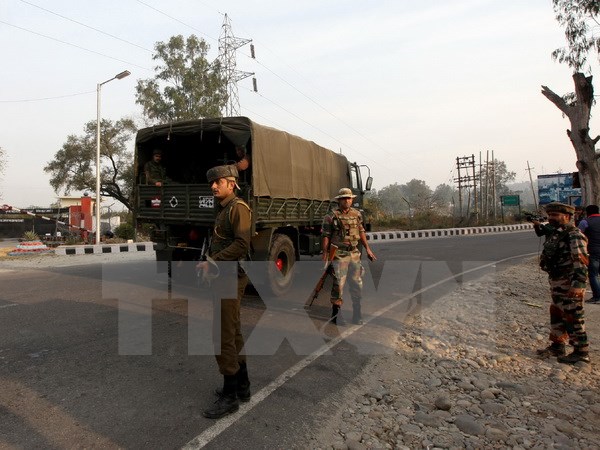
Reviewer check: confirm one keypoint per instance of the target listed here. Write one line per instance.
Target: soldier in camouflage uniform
(156, 174)
(344, 228)
(230, 242)
(565, 258)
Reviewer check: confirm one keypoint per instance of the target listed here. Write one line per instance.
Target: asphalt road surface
(114, 356)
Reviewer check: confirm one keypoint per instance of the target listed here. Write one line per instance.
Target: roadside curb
(371, 236)
(444, 232)
(104, 248)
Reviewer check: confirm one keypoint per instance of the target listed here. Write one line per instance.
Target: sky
(403, 87)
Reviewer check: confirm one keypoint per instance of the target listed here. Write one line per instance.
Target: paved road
(66, 380)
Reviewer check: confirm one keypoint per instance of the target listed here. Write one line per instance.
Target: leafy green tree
(579, 18)
(390, 200)
(442, 198)
(418, 194)
(74, 165)
(186, 85)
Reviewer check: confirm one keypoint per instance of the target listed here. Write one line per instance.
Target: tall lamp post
(99, 86)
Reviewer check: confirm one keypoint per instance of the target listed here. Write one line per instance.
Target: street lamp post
(99, 86)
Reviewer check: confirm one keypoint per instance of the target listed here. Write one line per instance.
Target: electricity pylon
(228, 44)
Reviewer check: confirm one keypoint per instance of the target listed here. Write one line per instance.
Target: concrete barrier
(104, 248)
(378, 236)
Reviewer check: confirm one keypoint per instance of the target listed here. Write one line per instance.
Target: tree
(418, 194)
(186, 86)
(74, 165)
(390, 199)
(443, 196)
(579, 17)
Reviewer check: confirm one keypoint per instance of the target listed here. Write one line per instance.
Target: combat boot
(554, 349)
(336, 316)
(227, 403)
(575, 357)
(243, 385)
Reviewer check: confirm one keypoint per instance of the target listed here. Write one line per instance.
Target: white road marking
(8, 305)
(222, 424)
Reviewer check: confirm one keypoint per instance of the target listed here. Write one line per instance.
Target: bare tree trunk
(578, 114)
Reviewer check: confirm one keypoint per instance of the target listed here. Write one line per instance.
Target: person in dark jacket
(590, 226)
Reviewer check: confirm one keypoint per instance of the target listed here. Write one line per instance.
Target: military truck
(289, 182)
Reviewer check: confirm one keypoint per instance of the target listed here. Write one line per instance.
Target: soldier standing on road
(344, 228)
(565, 258)
(155, 172)
(230, 242)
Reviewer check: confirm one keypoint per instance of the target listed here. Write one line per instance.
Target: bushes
(30, 236)
(125, 231)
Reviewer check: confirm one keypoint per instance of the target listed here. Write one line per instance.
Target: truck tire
(283, 255)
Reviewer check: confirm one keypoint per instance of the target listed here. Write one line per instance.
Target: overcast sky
(402, 86)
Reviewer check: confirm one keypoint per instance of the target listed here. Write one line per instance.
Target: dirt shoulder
(465, 375)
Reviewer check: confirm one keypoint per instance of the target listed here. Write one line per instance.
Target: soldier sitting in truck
(155, 172)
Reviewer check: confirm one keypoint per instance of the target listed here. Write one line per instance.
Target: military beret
(157, 151)
(228, 171)
(560, 207)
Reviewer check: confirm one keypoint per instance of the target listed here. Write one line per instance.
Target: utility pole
(535, 203)
(480, 179)
(459, 181)
(467, 181)
(494, 184)
(228, 44)
(487, 185)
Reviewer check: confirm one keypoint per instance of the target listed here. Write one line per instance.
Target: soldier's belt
(347, 247)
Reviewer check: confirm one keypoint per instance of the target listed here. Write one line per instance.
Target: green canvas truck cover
(282, 165)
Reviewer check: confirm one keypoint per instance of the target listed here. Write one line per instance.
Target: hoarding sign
(557, 187)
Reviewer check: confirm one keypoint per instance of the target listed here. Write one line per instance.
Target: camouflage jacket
(343, 228)
(155, 172)
(565, 256)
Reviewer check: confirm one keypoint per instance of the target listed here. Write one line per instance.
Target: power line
(324, 109)
(176, 19)
(75, 45)
(46, 98)
(281, 78)
(316, 128)
(86, 26)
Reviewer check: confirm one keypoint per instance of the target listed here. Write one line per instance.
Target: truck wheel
(282, 253)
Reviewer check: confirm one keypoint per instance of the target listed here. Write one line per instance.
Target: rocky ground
(465, 375)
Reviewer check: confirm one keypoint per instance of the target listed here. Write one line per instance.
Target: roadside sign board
(510, 200)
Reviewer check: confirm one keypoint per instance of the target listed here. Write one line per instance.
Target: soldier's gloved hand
(576, 292)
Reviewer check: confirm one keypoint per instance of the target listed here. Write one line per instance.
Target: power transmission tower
(228, 44)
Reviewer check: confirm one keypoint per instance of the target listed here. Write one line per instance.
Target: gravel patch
(465, 375)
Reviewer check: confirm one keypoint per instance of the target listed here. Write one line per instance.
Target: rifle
(205, 277)
(328, 269)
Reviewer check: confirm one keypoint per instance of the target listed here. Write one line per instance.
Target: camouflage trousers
(567, 322)
(347, 267)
